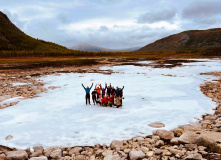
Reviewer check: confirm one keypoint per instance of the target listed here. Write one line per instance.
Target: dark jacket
(112, 91)
(94, 93)
(121, 92)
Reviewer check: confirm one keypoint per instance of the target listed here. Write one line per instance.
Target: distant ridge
(13, 39)
(92, 48)
(187, 40)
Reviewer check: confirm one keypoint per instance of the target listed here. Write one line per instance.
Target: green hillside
(13, 39)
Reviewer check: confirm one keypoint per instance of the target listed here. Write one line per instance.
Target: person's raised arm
(91, 85)
(122, 88)
(83, 86)
(100, 86)
(105, 86)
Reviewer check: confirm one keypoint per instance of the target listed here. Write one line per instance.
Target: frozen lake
(61, 118)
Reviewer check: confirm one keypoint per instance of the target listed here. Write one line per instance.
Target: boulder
(211, 140)
(75, 150)
(56, 154)
(164, 134)
(16, 155)
(39, 158)
(112, 157)
(188, 137)
(2, 156)
(107, 152)
(145, 149)
(174, 140)
(38, 149)
(150, 153)
(117, 145)
(48, 151)
(80, 157)
(156, 125)
(134, 155)
(67, 158)
(9, 137)
(5, 149)
(195, 156)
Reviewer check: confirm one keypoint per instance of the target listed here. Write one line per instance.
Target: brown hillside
(187, 40)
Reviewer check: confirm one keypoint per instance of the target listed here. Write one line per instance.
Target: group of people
(104, 96)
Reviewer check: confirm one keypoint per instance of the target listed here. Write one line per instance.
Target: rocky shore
(199, 140)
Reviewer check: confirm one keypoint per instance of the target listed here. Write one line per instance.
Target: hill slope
(88, 47)
(91, 48)
(13, 39)
(187, 40)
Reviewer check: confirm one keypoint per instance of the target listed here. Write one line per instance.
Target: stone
(112, 157)
(38, 149)
(134, 155)
(5, 149)
(36, 154)
(16, 155)
(75, 150)
(65, 153)
(56, 154)
(99, 152)
(107, 152)
(9, 137)
(156, 125)
(67, 158)
(164, 134)
(177, 132)
(210, 140)
(48, 151)
(159, 143)
(150, 153)
(117, 145)
(92, 158)
(195, 156)
(174, 140)
(127, 151)
(2, 156)
(188, 137)
(175, 151)
(80, 157)
(39, 158)
(145, 149)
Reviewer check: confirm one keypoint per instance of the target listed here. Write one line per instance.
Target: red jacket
(105, 100)
(111, 99)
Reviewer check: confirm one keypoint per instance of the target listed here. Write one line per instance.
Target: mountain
(187, 40)
(91, 48)
(13, 39)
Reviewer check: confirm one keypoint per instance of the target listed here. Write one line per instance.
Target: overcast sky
(110, 23)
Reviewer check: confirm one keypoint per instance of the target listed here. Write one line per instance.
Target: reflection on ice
(61, 118)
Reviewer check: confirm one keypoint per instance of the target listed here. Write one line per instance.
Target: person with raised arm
(98, 89)
(104, 89)
(109, 90)
(87, 90)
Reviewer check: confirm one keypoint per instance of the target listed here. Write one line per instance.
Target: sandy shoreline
(186, 142)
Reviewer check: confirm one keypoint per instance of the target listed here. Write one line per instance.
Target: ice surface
(61, 118)
(19, 84)
(11, 100)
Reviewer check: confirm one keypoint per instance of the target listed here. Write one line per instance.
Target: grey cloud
(162, 15)
(103, 28)
(63, 18)
(203, 12)
(14, 18)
